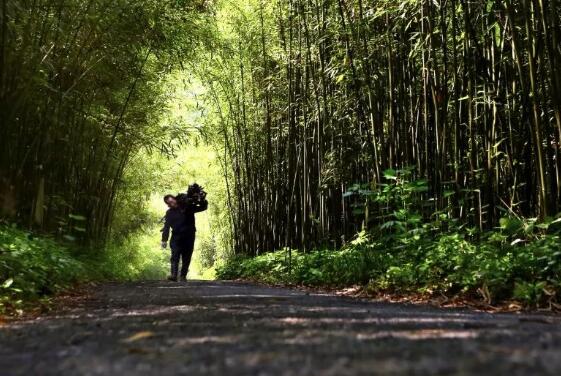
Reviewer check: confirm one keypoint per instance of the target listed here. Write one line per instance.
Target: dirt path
(225, 328)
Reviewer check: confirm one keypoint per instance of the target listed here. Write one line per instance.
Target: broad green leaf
(7, 283)
(77, 217)
(390, 174)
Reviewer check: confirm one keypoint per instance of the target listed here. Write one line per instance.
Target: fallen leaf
(138, 336)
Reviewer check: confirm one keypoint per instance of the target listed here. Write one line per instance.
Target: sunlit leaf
(7, 283)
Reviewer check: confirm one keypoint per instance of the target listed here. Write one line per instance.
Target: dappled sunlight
(175, 287)
(152, 311)
(328, 309)
(370, 320)
(315, 337)
(246, 296)
(421, 334)
(308, 338)
(187, 341)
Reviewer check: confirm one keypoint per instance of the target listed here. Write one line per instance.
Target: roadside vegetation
(433, 256)
(35, 267)
(407, 146)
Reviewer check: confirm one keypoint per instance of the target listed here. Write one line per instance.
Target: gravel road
(230, 328)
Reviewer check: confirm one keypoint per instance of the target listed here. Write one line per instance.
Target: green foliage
(453, 262)
(321, 267)
(88, 92)
(530, 292)
(134, 257)
(31, 267)
(399, 205)
(296, 110)
(299, 104)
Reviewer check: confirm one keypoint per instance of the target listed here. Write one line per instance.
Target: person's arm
(202, 207)
(165, 232)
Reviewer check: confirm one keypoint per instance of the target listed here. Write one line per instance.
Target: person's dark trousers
(182, 248)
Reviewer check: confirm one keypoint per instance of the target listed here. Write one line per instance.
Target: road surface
(230, 328)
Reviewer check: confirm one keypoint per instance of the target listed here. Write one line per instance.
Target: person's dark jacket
(181, 220)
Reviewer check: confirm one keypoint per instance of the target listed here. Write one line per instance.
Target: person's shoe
(172, 278)
(182, 279)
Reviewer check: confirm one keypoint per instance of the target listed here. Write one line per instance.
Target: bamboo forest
(281, 187)
(408, 147)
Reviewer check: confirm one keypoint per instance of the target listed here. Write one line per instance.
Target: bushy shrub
(448, 263)
(31, 267)
(133, 258)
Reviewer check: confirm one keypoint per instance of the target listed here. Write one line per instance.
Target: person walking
(180, 218)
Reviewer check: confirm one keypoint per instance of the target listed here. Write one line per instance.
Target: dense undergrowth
(34, 267)
(449, 264)
(408, 253)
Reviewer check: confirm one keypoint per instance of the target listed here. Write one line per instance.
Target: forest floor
(232, 328)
